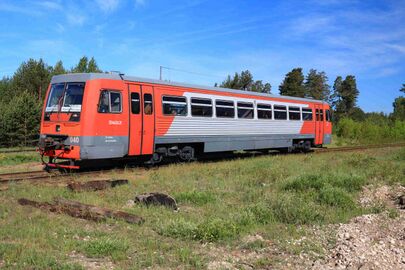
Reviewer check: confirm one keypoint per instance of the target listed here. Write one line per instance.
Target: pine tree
(92, 66)
(344, 97)
(399, 106)
(81, 67)
(336, 97)
(399, 109)
(5, 90)
(293, 84)
(86, 66)
(245, 81)
(32, 76)
(349, 93)
(21, 120)
(58, 68)
(316, 85)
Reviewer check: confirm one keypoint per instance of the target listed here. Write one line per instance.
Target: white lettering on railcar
(114, 123)
(110, 139)
(74, 139)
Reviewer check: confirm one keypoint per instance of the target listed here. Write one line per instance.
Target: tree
(258, 86)
(5, 90)
(357, 114)
(316, 85)
(32, 76)
(344, 98)
(58, 68)
(336, 97)
(86, 66)
(21, 120)
(349, 92)
(93, 67)
(399, 108)
(245, 81)
(293, 84)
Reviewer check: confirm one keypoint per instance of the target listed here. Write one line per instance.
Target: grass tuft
(198, 198)
(291, 209)
(335, 196)
(105, 246)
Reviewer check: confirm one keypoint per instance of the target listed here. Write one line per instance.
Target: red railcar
(110, 116)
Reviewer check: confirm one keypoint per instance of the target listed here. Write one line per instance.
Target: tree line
(342, 96)
(22, 97)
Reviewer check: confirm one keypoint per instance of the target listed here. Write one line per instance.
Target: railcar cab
(84, 117)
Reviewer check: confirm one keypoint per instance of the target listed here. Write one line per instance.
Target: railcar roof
(82, 77)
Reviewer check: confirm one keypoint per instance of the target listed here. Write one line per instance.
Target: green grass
(18, 158)
(222, 202)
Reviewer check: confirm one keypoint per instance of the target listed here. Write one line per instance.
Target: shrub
(291, 209)
(334, 196)
(371, 131)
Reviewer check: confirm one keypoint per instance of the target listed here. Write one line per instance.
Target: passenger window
(294, 113)
(135, 108)
(245, 110)
(280, 112)
(174, 105)
(264, 111)
(328, 116)
(317, 114)
(306, 114)
(225, 108)
(321, 115)
(110, 102)
(147, 104)
(201, 107)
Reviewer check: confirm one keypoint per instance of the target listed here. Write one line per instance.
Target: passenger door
(135, 120)
(148, 113)
(319, 124)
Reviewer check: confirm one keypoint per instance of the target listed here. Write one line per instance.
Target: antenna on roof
(117, 72)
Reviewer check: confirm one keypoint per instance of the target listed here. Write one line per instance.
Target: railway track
(359, 147)
(54, 176)
(20, 176)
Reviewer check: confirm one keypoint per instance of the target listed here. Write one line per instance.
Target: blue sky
(213, 38)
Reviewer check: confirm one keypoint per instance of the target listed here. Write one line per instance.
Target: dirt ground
(373, 241)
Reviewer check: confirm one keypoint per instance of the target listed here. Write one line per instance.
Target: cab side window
(110, 102)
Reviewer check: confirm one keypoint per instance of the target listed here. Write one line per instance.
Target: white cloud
(60, 28)
(55, 5)
(140, 2)
(108, 5)
(397, 47)
(75, 18)
(26, 10)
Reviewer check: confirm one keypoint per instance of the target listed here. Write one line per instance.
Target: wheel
(187, 154)
(155, 159)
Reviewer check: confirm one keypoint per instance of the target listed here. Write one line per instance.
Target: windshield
(72, 102)
(54, 97)
(69, 96)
